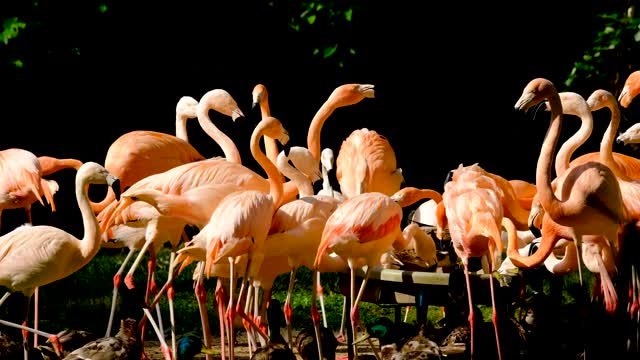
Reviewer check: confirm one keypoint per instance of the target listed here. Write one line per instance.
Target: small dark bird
(189, 345)
(308, 348)
(73, 339)
(277, 348)
(124, 345)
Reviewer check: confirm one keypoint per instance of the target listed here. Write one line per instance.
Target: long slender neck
(50, 165)
(563, 158)
(302, 182)
(606, 145)
(181, 127)
(91, 241)
(228, 146)
(270, 145)
(326, 183)
(543, 168)
(275, 185)
(313, 136)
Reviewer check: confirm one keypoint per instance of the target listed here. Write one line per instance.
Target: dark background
(446, 77)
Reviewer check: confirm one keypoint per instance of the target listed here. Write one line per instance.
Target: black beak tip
(535, 231)
(116, 188)
(449, 177)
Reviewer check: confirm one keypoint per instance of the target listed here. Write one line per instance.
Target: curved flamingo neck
(563, 158)
(275, 185)
(543, 168)
(302, 182)
(606, 145)
(270, 145)
(50, 165)
(313, 136)
(91, 241)
(229, 148)
(181, 126)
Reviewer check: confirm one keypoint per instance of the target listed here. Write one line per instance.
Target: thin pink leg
(221, 299)
(494, 315)
(471, 312)
(315, 315)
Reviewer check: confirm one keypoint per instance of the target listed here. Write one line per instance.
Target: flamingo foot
(128, 280)
(55, 342)
(166, 351)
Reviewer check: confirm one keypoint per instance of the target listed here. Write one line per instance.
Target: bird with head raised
(587, 201)
(32, 256)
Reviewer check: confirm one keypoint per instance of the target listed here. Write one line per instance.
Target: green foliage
(10, 29)
(613, 54)
(326, 26)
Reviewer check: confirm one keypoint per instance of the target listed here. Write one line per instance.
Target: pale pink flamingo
(241, 222)
(193, 207)
(366, 162)
(128, 156)
(22, 183)
(474, 213)
(296, 229)
(33, 256)
(591, 203)
(359, 232)
(217, 99)
(631, 135)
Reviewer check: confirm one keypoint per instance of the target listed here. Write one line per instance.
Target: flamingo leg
(128, 279)
(166, 351)
(240, 311)
(355, 318)
(251, 338)
(321, 296)
(231, 310)
(287, 306)
(117, 278)
(315, 316)
(36, 316)
(220, 299)
(494, 314)
(471, 312)
(52, 338)
(172, 317)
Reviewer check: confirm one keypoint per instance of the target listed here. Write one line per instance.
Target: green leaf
(102, 8)
(311, 19)
(348, 14)
(328, 51)
(17, 63)
(11, 28)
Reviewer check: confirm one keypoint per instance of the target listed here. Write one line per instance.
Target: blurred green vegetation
(83, 300)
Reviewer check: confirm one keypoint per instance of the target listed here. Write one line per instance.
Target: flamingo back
(366, 162)
(364, 227)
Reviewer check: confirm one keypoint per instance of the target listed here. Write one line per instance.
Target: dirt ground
(241, 351)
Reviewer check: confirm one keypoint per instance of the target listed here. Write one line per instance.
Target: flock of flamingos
(241, 214)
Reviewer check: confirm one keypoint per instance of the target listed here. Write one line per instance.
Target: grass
(83, 300)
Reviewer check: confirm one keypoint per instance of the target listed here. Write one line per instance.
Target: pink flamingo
(33, 256)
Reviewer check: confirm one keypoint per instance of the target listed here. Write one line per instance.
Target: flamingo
(366, 162)
(591, 204)
(216, 99)
(630, 89)
(241, 222)
(326, 164)
(475, 215)
(359, 232)
(33, 256)
(631, 135)
(128, 156)
(296, 228)
(343, 95)
(22, 183)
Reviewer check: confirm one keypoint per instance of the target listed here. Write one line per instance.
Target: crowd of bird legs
(240, 214)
